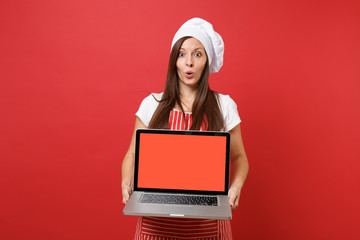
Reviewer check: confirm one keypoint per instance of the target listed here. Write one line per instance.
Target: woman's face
(191, 62)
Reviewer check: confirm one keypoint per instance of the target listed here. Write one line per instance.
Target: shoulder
(229, 111)
(148, 107)
(152, 99)
(225, 101)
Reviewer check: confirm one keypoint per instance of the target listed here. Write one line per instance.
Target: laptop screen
(175, 161)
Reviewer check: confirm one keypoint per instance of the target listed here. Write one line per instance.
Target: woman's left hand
(234, 196)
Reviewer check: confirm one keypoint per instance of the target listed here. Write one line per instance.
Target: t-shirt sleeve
(229, 111)
(147, 109)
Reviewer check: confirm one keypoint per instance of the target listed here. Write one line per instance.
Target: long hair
(206, 101)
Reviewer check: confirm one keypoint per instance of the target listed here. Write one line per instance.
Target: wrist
(126, 184)
(237, 184)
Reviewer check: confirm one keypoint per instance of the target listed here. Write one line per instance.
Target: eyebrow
(199, 48)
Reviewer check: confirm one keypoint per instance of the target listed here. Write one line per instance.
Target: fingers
(125, 198)
(234, 196)
(126, 192)
(234, 202)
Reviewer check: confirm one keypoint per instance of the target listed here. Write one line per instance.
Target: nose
(189, 61)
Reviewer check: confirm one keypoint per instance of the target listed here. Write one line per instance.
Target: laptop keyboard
(179, 199)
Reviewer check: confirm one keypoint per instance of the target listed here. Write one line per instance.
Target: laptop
(183, 174)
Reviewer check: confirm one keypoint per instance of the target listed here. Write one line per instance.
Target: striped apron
(161, 228)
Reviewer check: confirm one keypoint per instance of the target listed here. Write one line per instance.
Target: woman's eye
(197, 54)
(181, 54)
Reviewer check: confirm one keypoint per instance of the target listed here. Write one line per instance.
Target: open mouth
(189, 74)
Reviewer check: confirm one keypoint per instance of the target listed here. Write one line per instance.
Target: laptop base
(134, 208)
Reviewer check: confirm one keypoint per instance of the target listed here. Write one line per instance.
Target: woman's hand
(126, 192)
(234, 196)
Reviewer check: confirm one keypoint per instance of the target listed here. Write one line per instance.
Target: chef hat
(211, 40)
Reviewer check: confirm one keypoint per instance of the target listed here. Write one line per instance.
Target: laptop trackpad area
(177, 209)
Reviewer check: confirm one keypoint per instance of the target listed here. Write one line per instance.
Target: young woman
(187, 103)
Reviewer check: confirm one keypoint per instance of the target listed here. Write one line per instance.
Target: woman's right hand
(126, 192)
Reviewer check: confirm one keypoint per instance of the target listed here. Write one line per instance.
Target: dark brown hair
(206, 101)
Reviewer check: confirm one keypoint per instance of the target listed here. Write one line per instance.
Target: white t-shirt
(227, 106)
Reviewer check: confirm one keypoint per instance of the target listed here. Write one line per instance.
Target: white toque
(211, 40)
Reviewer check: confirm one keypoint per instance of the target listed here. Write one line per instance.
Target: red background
(173, 162)
(73, 73)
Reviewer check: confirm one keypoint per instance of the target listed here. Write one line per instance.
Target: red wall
(73, 73)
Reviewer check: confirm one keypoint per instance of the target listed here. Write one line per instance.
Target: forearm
(239, 170)
(127, 170)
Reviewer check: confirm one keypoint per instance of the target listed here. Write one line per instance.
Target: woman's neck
(187, 97)
(187, 92)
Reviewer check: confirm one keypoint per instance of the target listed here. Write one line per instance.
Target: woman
(187, 103)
